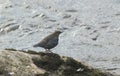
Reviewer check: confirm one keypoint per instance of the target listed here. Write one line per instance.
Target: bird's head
(58, 32)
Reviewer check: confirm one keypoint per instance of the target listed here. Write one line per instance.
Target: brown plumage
(50, 41)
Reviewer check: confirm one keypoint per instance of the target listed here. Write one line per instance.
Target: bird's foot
(48, 51)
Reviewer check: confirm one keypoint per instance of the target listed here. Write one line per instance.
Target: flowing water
(91, 28)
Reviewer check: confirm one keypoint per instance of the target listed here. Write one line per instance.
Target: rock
(31, 63)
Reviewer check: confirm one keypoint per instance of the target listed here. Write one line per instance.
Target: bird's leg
(48, 51)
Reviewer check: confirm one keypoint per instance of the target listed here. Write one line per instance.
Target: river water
(91, 28)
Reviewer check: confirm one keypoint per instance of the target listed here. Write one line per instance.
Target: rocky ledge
(21, 63)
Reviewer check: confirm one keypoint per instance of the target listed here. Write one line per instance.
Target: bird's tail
(36, 45)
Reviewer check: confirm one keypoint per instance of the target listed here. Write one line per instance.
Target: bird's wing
(44, 41)
(52, 42)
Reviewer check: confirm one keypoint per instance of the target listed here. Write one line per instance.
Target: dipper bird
(49, 42)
